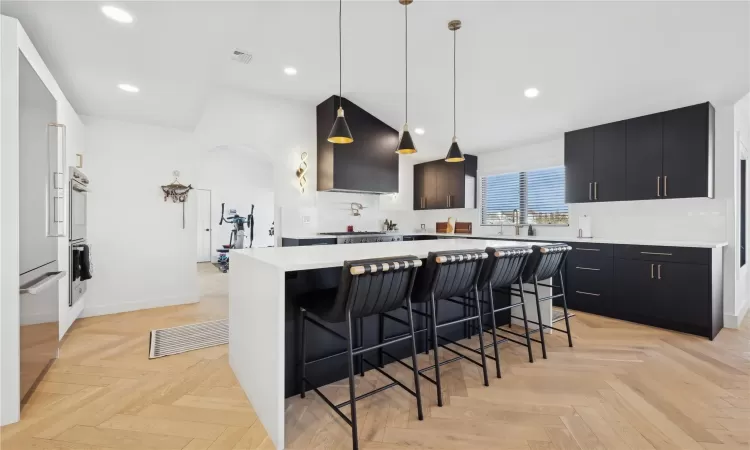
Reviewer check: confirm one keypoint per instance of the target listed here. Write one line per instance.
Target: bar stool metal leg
(352, 395)
(494, 333)
(361, 343)
(565, 309)
(427, 328)
(481, 339)
(525, 321)
(433, 329)
(381, 338)
(414, 360)
(301, 368)
(539, 317)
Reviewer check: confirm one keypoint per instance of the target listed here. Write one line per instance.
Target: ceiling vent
(241, 56)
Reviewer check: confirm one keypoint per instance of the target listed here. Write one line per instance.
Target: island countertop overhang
(292, 259)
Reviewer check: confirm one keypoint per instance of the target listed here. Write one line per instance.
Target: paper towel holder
(580, 228)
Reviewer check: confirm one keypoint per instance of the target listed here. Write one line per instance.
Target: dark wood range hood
(368, 165)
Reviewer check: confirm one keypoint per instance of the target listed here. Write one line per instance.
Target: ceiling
(593, 62)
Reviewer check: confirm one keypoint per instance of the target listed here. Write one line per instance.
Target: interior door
(686, 157)
(610, 162)
(644, 155)
(579, 166)
(203, 198)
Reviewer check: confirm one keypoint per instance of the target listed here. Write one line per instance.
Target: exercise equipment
(237, 235)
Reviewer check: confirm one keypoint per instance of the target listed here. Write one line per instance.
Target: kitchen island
(263, 284)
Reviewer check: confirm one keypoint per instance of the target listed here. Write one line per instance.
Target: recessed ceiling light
(117, 14)
(419, 131)
(531, 92)
(128, 88)
(290, 71)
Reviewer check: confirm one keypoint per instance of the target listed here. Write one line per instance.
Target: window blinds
(535, 197)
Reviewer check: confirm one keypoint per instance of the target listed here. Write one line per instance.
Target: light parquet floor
(623, 386)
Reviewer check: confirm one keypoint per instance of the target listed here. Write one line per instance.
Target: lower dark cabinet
(669, 287)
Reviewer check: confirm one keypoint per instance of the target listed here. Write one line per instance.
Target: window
(537, 197)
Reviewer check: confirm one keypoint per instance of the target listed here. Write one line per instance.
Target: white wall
(14, 38)
(142, 256)
(239, 177)
(742, 136)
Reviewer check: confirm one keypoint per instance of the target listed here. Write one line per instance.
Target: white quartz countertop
(595, 240)
(321, 257)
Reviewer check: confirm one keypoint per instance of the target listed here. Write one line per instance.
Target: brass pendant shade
(406, 144)
(454, 153)
(340, 133)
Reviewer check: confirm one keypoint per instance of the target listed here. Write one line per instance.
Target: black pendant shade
(340, 133)
(454, 153)
(406, 145)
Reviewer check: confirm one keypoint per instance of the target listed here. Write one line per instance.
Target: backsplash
(332, 212)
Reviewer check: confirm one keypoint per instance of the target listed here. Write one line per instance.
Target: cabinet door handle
(656, 253)
(588, 249)
(652, 271)
(658, 186)
(590, 184)
(448, 200)
(587, 268)
(588, 293)
(596, 185)
(658, 271)
(665, 185)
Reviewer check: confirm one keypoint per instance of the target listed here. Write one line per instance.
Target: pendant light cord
(406, 62)
(454, 83)
(340, 71)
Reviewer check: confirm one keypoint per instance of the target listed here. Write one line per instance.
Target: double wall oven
(80, 256)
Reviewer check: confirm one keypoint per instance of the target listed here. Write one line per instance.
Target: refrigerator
(40, 220)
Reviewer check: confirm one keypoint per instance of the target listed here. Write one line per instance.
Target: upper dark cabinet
(442, 185)
(688, 152)
(644, 155)
(659, 156)
(369, 164)
(579, 166)
(610, 162)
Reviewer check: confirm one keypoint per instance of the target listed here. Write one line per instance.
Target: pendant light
(340, 133)
(454, 153)
(405, 144)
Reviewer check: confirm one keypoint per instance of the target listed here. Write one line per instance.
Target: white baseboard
(100, 310)
(734, 321)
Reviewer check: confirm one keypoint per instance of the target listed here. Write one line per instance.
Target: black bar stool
(546, 262)
(503, 268)
(447, 275)
(367, 288)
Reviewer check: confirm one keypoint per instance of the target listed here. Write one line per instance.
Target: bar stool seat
(366, 288)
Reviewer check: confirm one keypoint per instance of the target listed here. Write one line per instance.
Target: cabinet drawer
(585, 249)
(664, 254)
(597, 280)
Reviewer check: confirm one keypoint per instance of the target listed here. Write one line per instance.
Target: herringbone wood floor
(623, 386)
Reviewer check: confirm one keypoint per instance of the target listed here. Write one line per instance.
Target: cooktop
(351, 233)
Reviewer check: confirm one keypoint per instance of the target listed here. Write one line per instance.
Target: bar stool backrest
(503, 266)
(546, 261)
(449, 274)
(375, 286)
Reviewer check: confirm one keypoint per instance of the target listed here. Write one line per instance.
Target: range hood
(369, 165)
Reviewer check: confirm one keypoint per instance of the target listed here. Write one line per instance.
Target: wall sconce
(301, 171)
